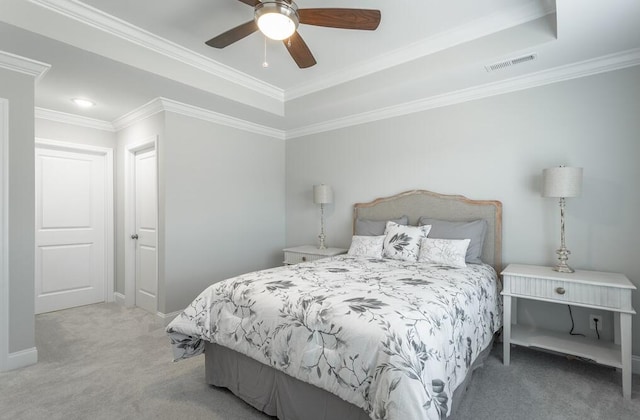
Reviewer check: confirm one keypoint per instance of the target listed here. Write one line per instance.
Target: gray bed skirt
(277, 394)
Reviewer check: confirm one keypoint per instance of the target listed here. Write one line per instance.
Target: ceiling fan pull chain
(265, 63)
(289, 43)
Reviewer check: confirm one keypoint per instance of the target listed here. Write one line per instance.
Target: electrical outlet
(592, 322)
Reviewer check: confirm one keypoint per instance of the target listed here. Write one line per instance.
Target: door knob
(134, 236)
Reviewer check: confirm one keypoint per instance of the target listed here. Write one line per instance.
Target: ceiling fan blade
(251, 3)
(233, 35)
(299, 51)
(366, 19)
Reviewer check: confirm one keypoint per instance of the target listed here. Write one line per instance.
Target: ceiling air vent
(511, 62)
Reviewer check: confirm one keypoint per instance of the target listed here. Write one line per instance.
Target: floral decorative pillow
(446, 252)
(403, 242)
(366, 246)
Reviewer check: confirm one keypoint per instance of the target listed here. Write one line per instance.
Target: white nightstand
(590, 289)
(304, 253)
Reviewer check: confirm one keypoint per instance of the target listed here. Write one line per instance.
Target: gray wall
(19, 90)
(221, 204)
(53, 130)
(496, 148)
(224, 205)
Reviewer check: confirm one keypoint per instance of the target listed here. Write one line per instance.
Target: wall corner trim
(147, 110)
(218, 118)
(36, 69)
(161, 104)
(4, 234)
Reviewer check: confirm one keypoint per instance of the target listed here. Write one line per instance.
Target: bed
(354, 337)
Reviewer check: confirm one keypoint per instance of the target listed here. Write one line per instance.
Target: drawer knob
(304, 258)
(560, 290)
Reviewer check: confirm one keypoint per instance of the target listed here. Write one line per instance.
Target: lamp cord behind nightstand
(572, 324)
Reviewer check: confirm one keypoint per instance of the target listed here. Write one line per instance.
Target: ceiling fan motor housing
(277, 19)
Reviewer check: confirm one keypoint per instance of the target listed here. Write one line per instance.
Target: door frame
(109, 229)
(150, 143)
(4, 234)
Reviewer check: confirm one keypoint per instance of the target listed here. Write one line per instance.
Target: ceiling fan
(279, 19)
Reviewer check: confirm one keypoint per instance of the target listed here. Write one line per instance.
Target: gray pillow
(474, 230)
(367, 227)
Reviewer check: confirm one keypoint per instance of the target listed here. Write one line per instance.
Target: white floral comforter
(391, 337)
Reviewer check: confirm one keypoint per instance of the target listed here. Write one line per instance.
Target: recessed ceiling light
(84, 103)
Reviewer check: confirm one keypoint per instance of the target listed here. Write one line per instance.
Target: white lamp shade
(562, 182)
(322, 194)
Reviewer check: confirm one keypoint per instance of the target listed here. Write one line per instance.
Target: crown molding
(73, 119)
(147, 110)
(603, 64)
(493, 23)
(222, 119)
(607, 63)
(112, 25)
(161, 104)
(36, 69)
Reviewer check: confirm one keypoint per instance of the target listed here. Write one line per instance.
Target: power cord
(595, 321)
(573, 325)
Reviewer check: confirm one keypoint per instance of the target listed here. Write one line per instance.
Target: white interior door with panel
(145, 235)
(73, 204)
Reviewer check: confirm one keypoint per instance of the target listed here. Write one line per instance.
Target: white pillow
(366, 246)
(447, 252)
(403, 242)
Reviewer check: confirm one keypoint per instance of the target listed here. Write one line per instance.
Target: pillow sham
(403, 242)
(474, 230)
(366, 246)
(368, 227)
(446, 252)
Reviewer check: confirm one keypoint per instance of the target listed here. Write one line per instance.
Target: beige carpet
(108, 362)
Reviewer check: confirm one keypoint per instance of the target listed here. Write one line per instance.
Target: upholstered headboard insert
(417, 203)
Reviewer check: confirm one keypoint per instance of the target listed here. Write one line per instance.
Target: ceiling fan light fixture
(277, 20)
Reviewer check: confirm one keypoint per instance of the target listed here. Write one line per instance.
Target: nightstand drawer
(297, 257)
(536, 287)
(307, 253)
(567, 292)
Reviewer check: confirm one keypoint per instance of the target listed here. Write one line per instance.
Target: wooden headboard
(417, 203)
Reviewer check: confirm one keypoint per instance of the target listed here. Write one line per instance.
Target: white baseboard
(167, 318)
(118, 298)
(22, 358)
(635, 364)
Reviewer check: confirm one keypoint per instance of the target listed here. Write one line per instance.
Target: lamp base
(563, 268)
(322, 245)
(563, 256)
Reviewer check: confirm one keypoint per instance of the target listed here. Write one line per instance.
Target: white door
(145, 235)
(70, 229)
